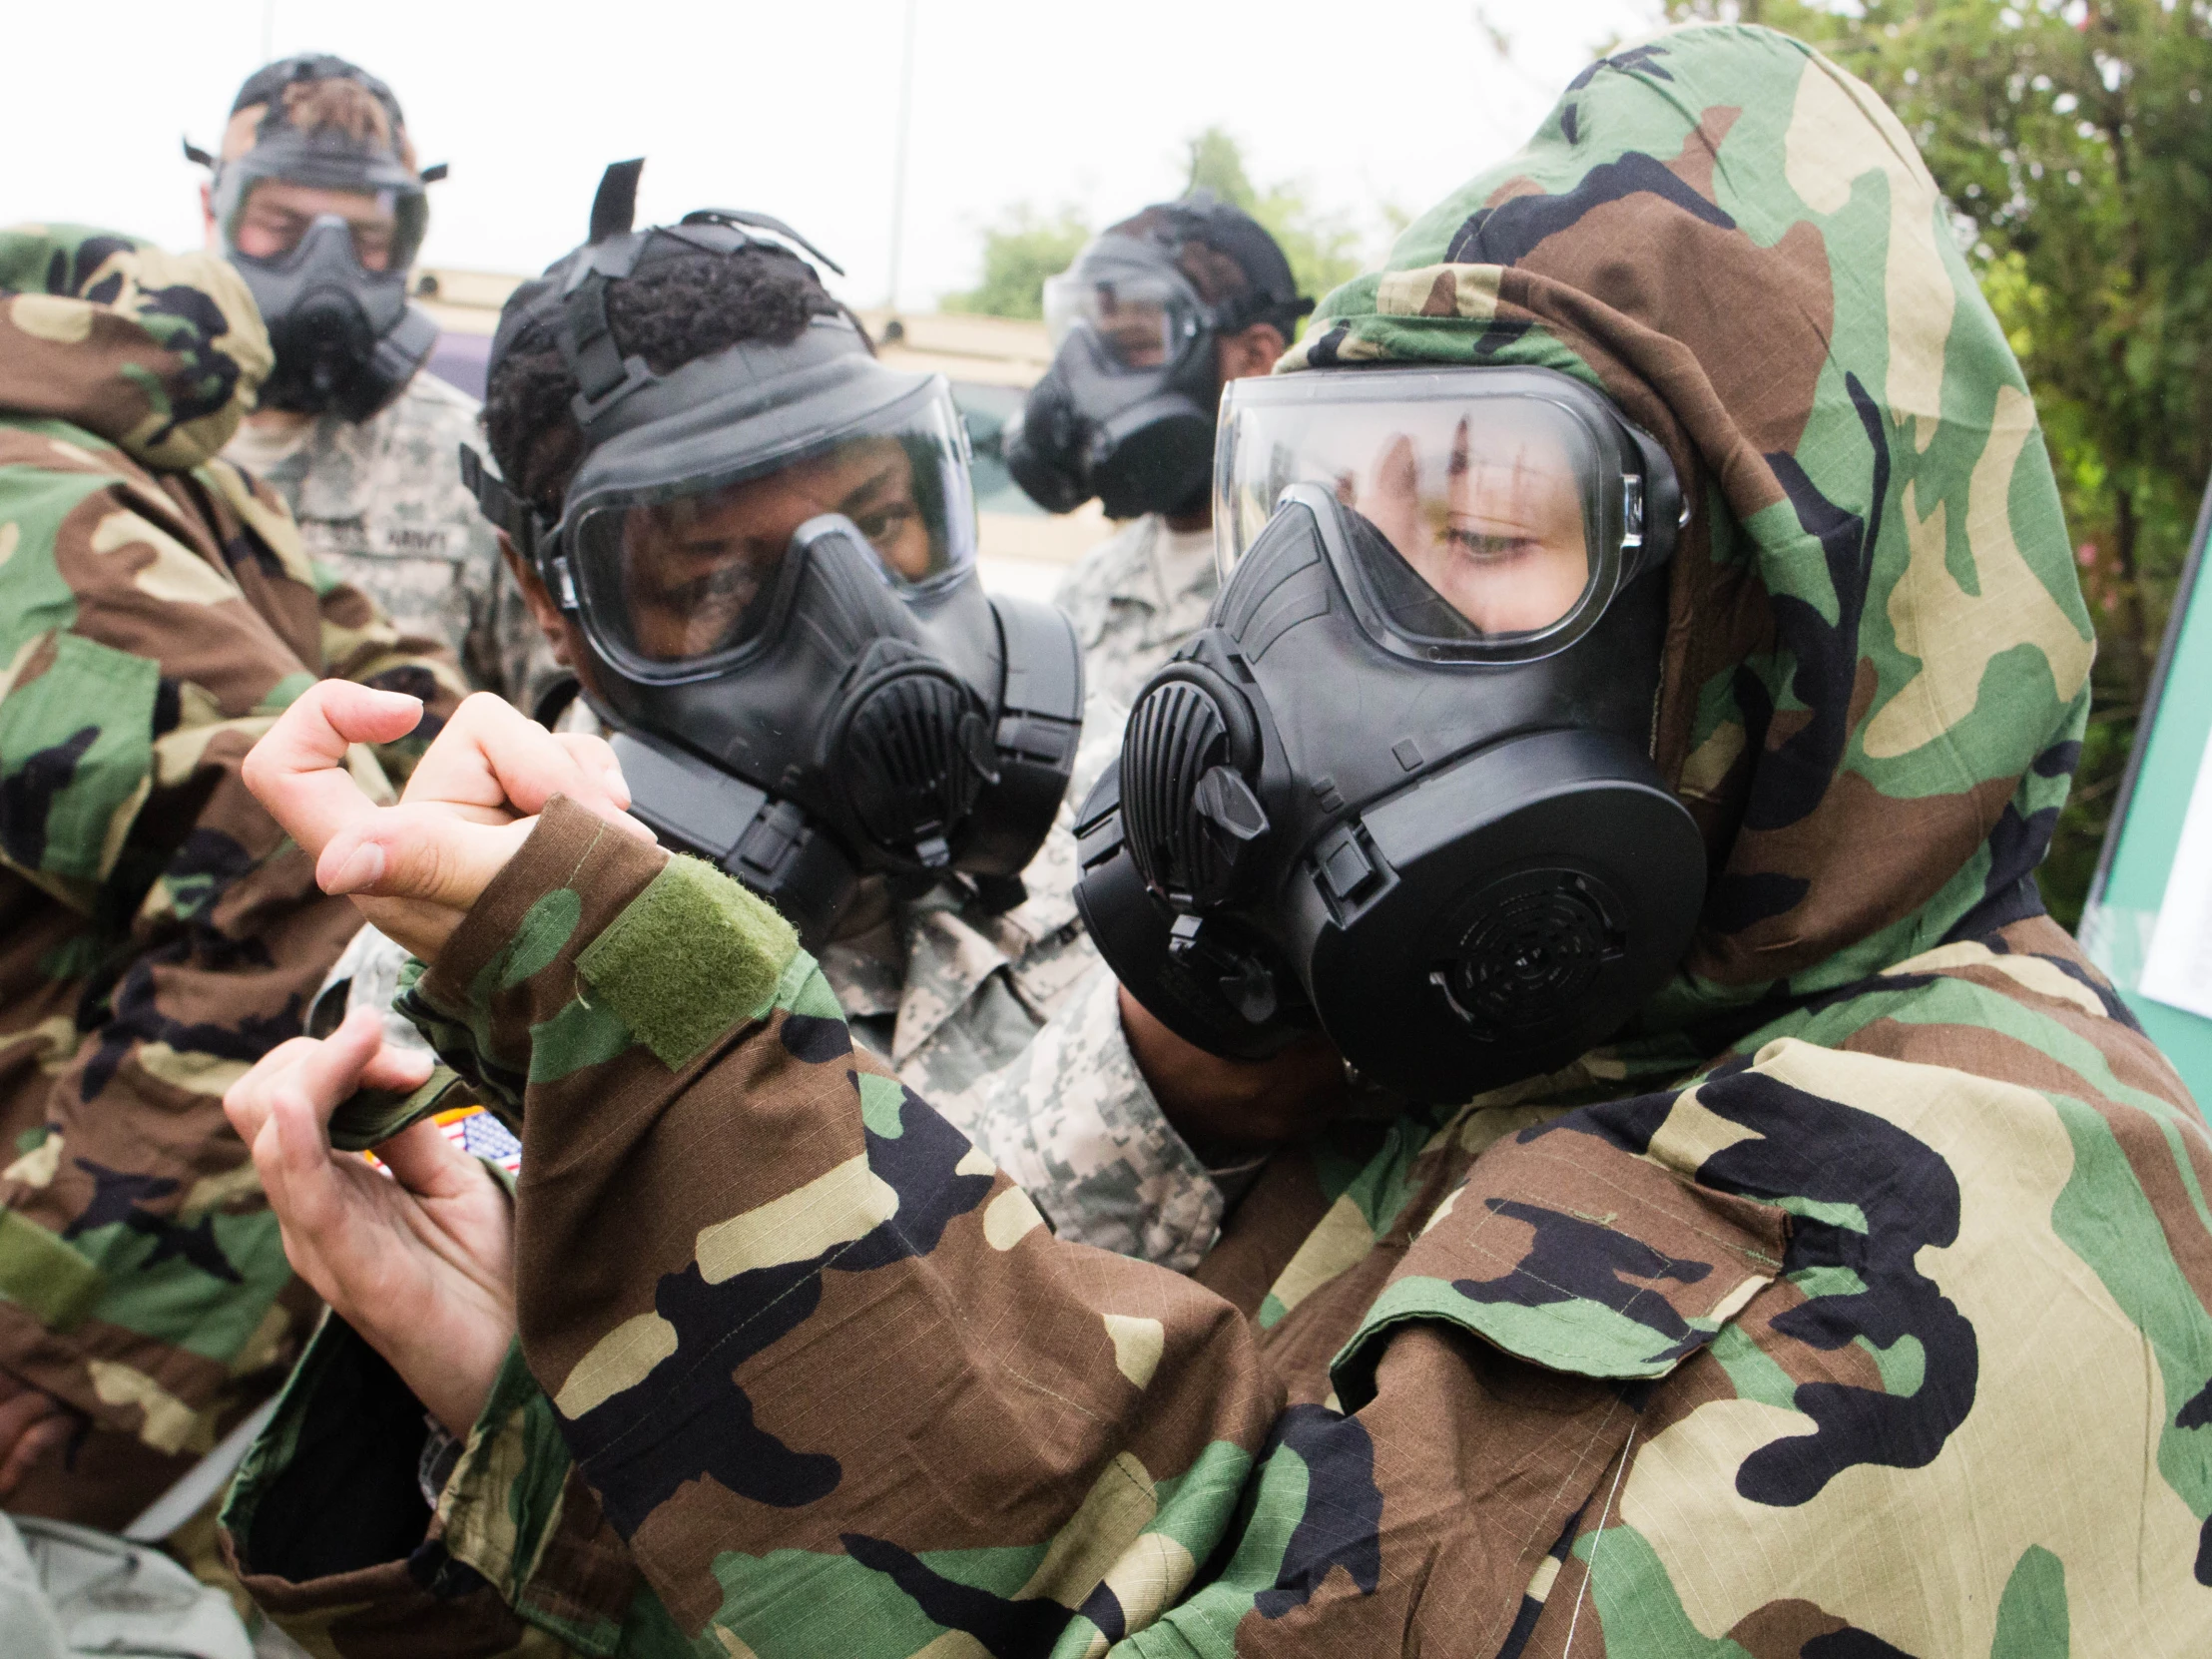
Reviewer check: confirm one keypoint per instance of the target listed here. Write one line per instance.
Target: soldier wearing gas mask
(754, 546)
(1399, 786)
(1154, 317)
(317, 198)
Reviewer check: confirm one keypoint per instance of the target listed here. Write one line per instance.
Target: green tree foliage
(1026, 245)
(1019, 253)
(2073, 139)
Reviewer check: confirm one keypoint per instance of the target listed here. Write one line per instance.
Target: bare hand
(32, 1424)
(420, 1262)
(1232, 1109)
(416, 869)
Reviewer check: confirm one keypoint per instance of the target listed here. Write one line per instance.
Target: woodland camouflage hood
(160, 353)
(1877, 664)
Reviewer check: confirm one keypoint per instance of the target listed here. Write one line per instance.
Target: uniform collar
(1162, 569)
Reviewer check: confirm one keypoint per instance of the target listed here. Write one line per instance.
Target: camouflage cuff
(369, 1117)
(327, 1528)
(515, 1511)
(57, 1284)
(503, 1005)
(693, 955)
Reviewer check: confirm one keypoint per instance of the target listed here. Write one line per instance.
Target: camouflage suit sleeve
(839, 1189)
(144, 1274)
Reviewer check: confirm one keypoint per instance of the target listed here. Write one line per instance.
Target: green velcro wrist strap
(59, 1285)
(369, 1117)
(691, 955)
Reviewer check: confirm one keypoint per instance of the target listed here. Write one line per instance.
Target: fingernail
(363, 867)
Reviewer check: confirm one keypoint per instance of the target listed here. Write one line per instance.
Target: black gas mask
(1126, 411)
(771, 551)
(345, 337)
(1400, 788)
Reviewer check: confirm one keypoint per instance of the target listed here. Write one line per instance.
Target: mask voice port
(914, 753)
(1188, 806)
(1537, 948)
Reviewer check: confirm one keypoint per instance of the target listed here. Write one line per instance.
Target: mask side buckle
(509, 512)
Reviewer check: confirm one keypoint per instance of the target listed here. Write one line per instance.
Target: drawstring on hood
(1877, 658)
(160, 353)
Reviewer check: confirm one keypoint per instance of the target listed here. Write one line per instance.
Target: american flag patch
(477, 1132)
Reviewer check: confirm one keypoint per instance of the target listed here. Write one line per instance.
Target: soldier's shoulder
(48, 468)
(429, 398)
(403, 462)
(31, 445)
(1099, 573)
(430, 418)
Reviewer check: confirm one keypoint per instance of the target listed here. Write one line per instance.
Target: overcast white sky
(793, 107)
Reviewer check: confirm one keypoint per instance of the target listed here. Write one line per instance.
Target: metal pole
(899, 175)
(269, 30)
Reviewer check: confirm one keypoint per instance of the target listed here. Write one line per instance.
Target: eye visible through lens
(696, 571)
(1492, 523)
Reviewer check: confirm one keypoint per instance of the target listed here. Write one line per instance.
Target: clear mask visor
(1474, 517)
(1141, 321)
(681, 583)
(273, 214)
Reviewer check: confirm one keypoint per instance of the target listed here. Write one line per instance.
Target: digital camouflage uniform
(1136, 597)
(381, 503)
(158, 931)
(1859, 1303)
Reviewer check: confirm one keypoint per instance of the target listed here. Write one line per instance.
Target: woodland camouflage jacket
(1860, 1302)
(158, 932)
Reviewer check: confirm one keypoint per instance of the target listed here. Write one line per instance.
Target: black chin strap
(500, 504)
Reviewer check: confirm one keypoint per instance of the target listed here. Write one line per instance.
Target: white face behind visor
(1499, 514)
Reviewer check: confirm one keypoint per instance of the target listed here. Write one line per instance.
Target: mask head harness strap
(604, 377)
(267, 85)
(1270, 291)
